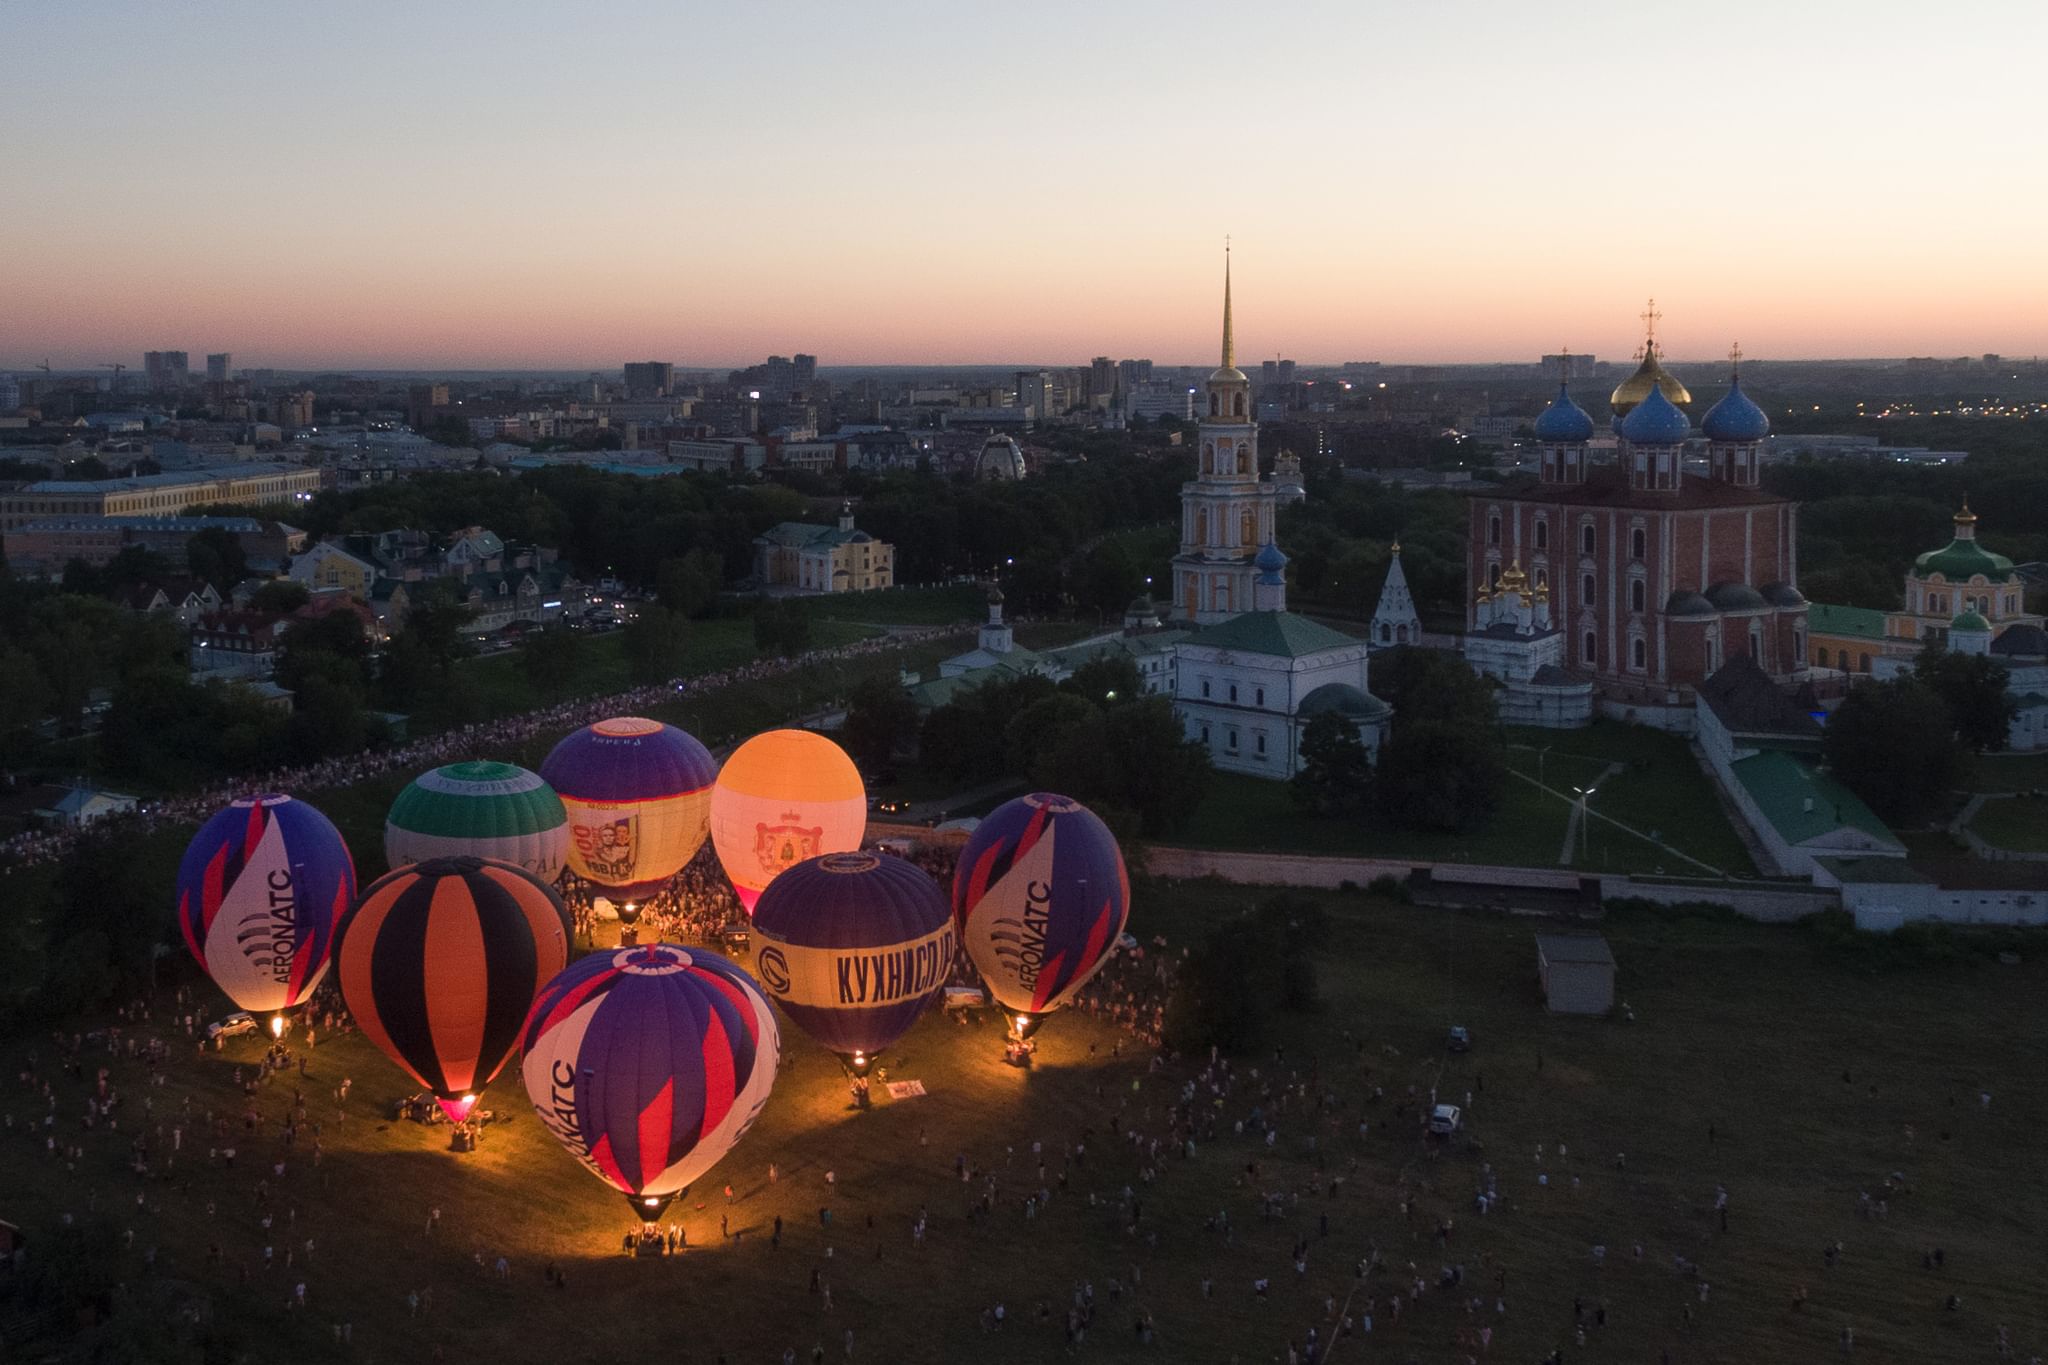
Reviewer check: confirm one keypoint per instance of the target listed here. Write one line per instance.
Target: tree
(1107, 679)
(1035, 735)
(1893, 744)
(880, 719)
(688, 584)
(280, 595)
(1336, 768)
(24, 695)
(1439, 775)
(654, 642)
(549, 658)
(215, 556)
(781, 625)
(1973, 686)
(1137, 757)
(332, 646)
(1429, 684)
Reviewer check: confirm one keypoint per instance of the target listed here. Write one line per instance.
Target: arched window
(1589, 591)
(1820, 656)
(1542, 534)
(1590, 648)
(1201, 526)
(1244, 458)
(1493, 575)
(1233, 691)
(1259, 697)
(1638, 540)
(1244, 526)
(1756, 641)
(1638, 594)
(1493, 529)
(1386, 633)
(1588, 542)
(1213, 410)
(1863, 664)
(1205, 687)
(1638, 654)
(1237, 406)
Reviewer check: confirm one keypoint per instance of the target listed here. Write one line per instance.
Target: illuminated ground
(1748, 1029)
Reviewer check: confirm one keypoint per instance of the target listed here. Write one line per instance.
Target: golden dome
(1650, 374)
(1514, 580)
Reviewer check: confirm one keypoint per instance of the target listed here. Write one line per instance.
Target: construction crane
(45, 367)
(116, 366)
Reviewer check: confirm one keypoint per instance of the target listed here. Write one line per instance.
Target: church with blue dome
(1251, 675)
(1646, 577)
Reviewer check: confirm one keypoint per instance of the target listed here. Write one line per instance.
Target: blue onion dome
(1735, 418)
(1564, 420)
(1270, 559)
(1656, 421)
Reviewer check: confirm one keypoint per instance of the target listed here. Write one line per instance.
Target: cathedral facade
(1654, 576)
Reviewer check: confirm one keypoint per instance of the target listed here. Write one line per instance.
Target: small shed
(1577, 971)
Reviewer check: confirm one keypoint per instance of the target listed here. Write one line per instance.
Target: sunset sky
(552, 185)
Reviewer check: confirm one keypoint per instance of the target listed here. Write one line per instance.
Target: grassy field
(2019, 823)
(1661, 790)
(1794, 1073)
(713, 645)
(2006, 772)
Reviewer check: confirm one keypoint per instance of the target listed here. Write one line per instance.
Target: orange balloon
(782, 797)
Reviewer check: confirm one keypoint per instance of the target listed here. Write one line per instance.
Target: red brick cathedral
(1654, 576)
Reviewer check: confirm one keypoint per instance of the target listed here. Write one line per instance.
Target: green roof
(1825, 619)
(1971, 621)
(1279, 633)
(1961, 559)
(1781, 786)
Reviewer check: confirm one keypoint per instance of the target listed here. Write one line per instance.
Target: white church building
(1253, 675)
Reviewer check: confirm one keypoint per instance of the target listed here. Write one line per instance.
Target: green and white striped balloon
(481, 810)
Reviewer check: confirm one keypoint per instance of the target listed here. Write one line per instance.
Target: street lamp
(1585, 795)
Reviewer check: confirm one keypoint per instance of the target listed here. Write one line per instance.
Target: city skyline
(931, 187)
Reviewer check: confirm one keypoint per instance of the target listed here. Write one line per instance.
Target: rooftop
(1743, 697)
(181, 480)
(1587, 948)
(1607, 486)
(1279, 633)
(1784, 787)
(1824, 618)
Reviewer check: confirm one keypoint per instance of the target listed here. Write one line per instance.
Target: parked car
(1460, 1039)
(1444, 1120)
(240, 1022)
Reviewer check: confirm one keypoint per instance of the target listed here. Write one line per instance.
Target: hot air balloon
(638, 793)
(259, 891)
(1040, 895)
(648, 1063)
(439, 963)
(853, 946)
(479, 810)
(782, 797)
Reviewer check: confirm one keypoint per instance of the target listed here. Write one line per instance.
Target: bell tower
(1227, 511)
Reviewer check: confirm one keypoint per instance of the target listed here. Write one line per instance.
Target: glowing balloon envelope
(638, 794)
(648, 1063)
(440, 962)
(782, 797)
(854, 946)
(259, 890)
(1040, 895)
(479, 810)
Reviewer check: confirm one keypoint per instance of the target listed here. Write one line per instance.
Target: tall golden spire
(1229, 346)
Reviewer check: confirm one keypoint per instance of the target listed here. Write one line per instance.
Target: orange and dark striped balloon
(440, 961)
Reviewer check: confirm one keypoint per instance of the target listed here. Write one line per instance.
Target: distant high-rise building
(1102, 378)
(220, 367)
(420, 402)
(649, 378)
(1034, 391)
(1286, 372)
(806, 370)
(294, 410)
(10, 393)
(1134, 371)
(165, 371)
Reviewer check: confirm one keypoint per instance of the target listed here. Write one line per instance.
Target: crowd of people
(482, 739)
